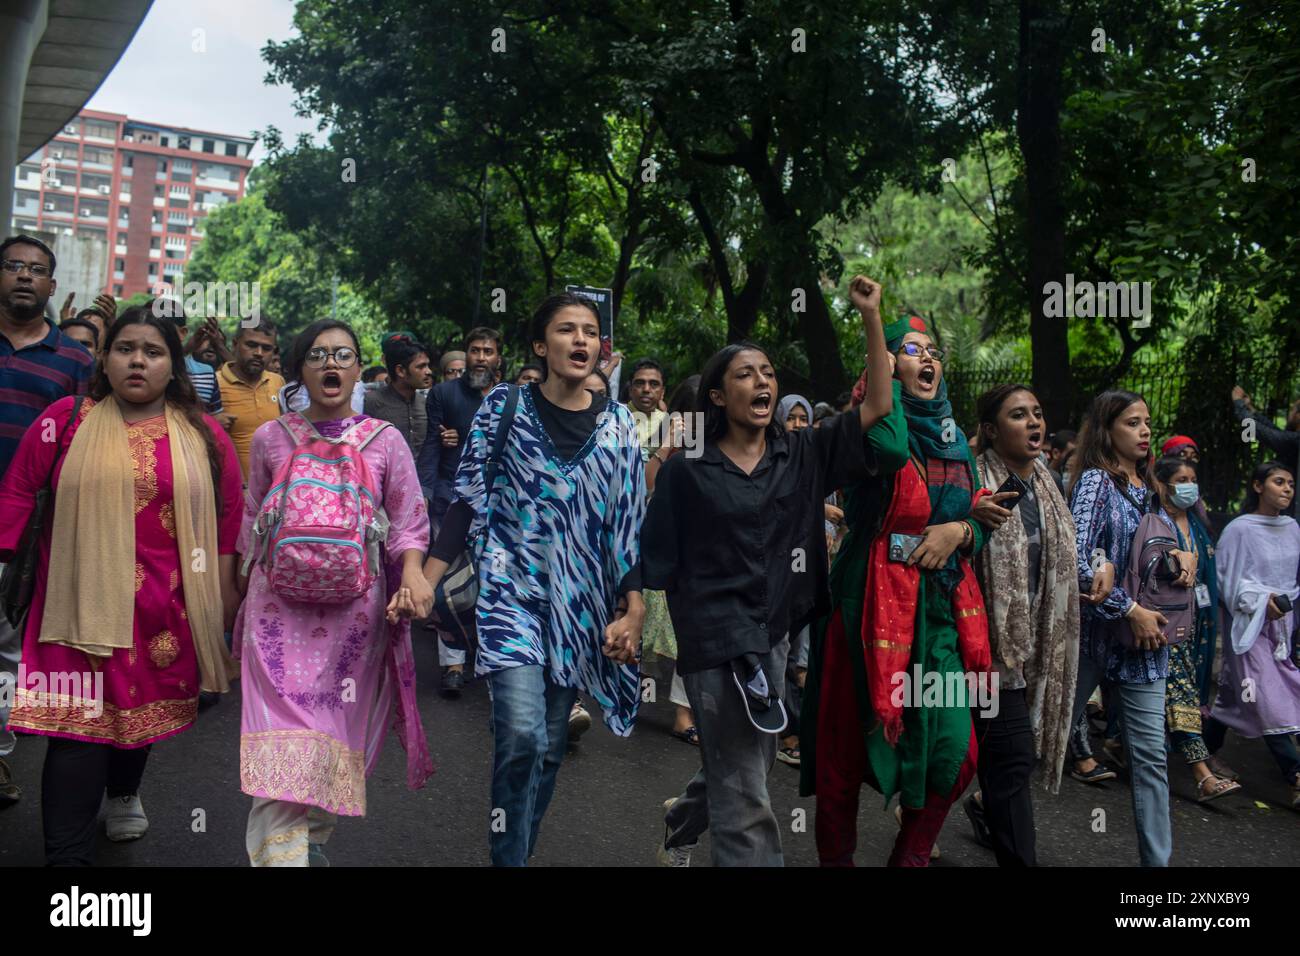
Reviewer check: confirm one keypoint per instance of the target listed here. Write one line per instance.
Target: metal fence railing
(1189, 393)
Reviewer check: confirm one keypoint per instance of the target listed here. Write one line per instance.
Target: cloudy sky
(161, 79)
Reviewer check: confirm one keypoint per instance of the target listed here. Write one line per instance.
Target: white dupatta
(1257, 557)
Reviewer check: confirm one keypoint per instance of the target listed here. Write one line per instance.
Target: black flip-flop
(690, 735)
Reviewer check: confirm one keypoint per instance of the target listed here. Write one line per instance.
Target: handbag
(18, 582)
(456, 595)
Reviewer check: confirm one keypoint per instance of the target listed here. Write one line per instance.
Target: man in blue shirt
(450, 408)
(38, 366)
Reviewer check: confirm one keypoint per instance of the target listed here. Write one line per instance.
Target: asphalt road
(607, 806)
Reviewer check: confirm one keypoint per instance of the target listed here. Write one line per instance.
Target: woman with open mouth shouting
(1031, 591)
(735, 537)
(904, 603)
(334, 534)
(551, 491)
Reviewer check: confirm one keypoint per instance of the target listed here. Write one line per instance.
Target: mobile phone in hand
(901, 546)
(1283, 602)
(1016, 484)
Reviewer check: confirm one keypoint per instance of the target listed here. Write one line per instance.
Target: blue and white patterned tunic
(1105, 518)
(558, 541)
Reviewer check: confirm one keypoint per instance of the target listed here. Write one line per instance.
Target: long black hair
(179, 393)
(1250, 504)
(715, 370)
(1095, 449)
(302, 345)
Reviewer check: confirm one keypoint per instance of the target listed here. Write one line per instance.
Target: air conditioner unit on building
(49, 207)
(56, 154)
(86, 212)
(105, 190)
(56, 183)
(71, 130)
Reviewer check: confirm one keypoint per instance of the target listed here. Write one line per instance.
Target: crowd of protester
(784, 568)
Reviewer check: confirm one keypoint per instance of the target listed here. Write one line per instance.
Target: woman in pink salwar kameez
(322, 683)
(136, 573)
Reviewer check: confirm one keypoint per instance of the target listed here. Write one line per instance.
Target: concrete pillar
(22, 24)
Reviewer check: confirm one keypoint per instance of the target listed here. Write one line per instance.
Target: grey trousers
(728, 797)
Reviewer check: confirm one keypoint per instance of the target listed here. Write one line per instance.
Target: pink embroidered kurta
(150, 690)
(322, 683)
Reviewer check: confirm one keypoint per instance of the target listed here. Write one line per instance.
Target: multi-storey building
(140, 189)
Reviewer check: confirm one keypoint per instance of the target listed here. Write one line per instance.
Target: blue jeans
(530, 730)
(1142, 708)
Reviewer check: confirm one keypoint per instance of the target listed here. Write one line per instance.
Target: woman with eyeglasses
(322, 682)
(905, 604)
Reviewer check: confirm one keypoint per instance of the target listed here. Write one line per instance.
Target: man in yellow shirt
(249, 393)
(645, 393)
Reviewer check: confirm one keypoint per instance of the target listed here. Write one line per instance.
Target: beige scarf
(90, 595)
(1041, 637)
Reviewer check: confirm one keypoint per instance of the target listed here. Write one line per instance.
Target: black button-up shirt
(409, 418)
(743, 557)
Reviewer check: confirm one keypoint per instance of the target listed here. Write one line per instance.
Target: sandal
(788, 755)
(1222, 787)
(690, 735)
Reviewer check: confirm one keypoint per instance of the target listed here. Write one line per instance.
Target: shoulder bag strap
(492, 467)
(58, 450)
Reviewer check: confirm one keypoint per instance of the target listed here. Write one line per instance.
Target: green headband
(895, 330)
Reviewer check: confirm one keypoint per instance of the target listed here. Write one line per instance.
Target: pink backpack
(319, 528)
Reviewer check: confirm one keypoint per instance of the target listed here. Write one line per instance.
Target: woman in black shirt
(735, 538)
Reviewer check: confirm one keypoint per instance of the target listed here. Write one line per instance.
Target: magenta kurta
(322, 683)
(151, 689)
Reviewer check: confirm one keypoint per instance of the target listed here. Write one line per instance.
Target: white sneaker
(125, 819)
(676, 855)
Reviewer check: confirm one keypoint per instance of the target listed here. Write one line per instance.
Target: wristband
(1131, 608)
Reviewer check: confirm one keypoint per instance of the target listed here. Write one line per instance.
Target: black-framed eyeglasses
(34, 269)
(344, 357)
(915, 349)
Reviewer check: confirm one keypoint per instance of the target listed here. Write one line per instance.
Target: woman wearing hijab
(1033, 608)
(1259, 687)
(139, 558)
(794, 412)
(902, 607)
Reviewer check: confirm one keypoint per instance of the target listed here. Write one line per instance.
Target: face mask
(1185, 495)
